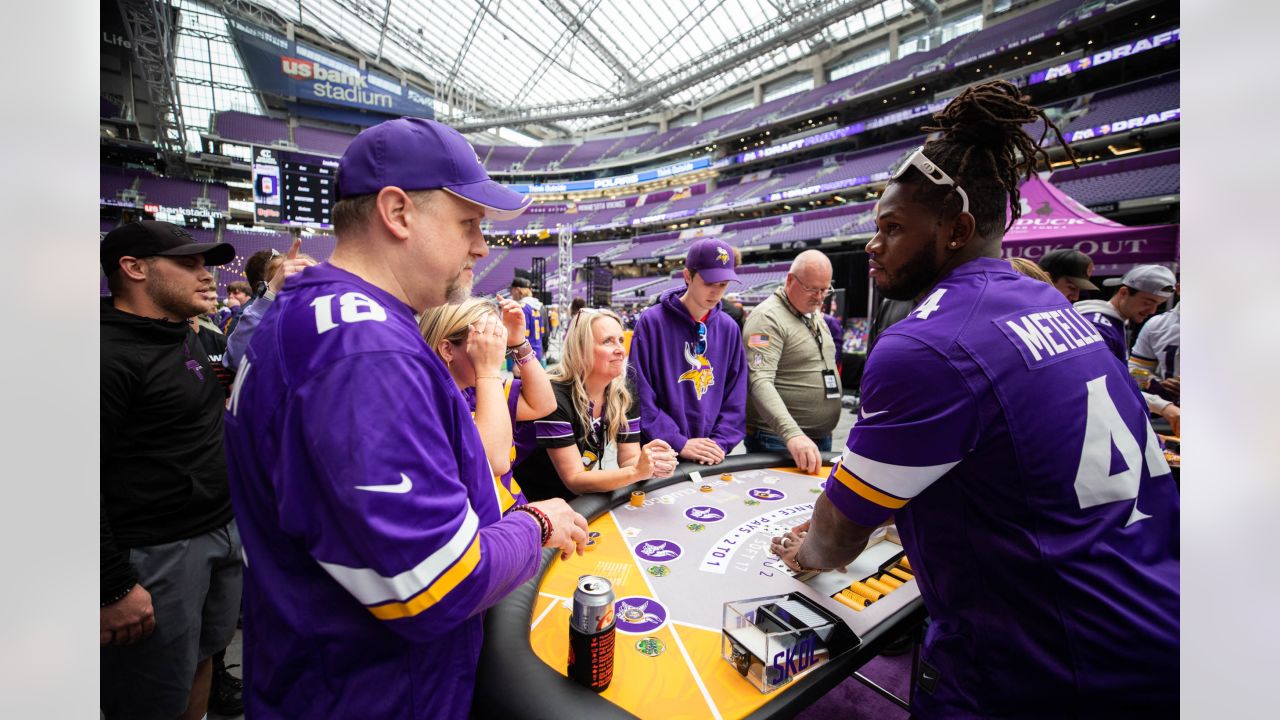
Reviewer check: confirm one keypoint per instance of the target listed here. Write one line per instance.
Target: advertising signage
(292, 69)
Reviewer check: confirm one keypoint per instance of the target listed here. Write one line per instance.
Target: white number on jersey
(1095, 485)
(354, 307)
(930, 304)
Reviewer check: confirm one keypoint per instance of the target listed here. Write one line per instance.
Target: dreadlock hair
(982, 145)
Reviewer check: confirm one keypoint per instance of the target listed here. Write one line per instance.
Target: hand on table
(129, 620)
(568, 528)
(657, 459)
(805, 454)
(1173, 414)
(787, 547)
(702, 450)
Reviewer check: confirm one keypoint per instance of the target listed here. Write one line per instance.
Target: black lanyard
(811, 327)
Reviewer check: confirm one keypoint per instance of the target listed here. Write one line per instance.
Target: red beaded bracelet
(544, 522)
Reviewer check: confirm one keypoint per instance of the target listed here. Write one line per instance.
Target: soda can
(591, 633)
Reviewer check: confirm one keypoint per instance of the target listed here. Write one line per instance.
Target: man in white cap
(1142, 291)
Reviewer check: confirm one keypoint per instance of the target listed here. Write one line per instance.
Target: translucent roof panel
(490, 56)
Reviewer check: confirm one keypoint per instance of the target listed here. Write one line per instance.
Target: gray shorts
(195, 590)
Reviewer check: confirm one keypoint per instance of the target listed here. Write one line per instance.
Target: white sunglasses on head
(935, 174)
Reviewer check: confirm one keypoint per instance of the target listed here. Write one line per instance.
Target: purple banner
(1123, 125)
(1106, 56)
(812, 140)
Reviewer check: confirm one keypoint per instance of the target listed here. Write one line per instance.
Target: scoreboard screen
(293, 188)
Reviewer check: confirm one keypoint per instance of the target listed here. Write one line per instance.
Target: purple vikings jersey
(1032, 497)
(683, 393)
(372, 531)
(533, 326)
(1106, 319)
(508, 489)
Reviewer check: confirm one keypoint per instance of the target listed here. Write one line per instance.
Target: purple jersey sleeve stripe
(633, 426)
(548, 429)
(865, 491)
(371, 588)
(902, 481)
(437, 590)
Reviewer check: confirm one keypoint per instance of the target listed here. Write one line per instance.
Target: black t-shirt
(537, 475)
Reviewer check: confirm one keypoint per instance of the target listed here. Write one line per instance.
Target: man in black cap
(170, 553)
(1069, 270)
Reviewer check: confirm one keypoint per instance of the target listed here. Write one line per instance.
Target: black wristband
(118, 596)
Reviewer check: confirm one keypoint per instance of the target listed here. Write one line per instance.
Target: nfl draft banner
(292, 69)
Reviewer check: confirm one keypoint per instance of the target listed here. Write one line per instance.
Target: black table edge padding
(512, 682)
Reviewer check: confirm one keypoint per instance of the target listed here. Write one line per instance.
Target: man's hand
(1174, 416)
(513, 319)
(805, 454)
(702, 450)
(1173, 386)
(292, 265)
(129, 620)
(568, 528)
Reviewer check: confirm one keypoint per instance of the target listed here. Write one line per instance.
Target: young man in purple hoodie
(690, 368)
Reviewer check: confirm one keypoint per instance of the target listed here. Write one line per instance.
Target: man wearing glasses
(690, 371)
(793, 388)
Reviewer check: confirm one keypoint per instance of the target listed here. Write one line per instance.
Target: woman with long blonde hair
(470, 338)
(591, 441)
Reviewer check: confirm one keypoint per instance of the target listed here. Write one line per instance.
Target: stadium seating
(245, 127)
(1123, 179)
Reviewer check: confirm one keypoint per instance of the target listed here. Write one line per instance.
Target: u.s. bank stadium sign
(292, 69)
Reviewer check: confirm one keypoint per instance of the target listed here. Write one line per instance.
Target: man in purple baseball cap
(690, 367)
(357, 474)
(417, 154)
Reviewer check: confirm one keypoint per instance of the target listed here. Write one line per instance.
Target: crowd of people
(392, 456)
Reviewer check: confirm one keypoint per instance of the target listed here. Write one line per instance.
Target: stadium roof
(516, 62)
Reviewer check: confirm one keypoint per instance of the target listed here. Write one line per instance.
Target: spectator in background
(169, 548)
(281, 267)
(591, 441)
(793, 396)
(522, 292)
(1030, 269)
(837, 331)
(732, 306)
(689, 367)
(1069, 271)
(466, 338)
(1156, 360)
(1142, 291)
(238, 297)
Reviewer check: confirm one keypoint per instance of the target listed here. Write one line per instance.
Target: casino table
(674, 562)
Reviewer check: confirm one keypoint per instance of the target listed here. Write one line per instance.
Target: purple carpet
(851, 700)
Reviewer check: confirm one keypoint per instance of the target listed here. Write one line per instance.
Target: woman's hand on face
(487, 345)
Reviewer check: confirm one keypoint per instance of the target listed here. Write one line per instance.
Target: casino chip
(650, 646)
(659, 570)
(696, 527)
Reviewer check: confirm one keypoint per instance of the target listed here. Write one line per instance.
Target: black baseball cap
(149, 238)
(521, 282)
(1071, 264)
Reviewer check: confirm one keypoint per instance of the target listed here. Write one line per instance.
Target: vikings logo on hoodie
(702, 375)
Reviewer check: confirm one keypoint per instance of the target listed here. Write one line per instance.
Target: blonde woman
(591, 442)
(471, 339)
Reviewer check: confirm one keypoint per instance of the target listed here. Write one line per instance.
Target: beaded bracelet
(544, 522)
(119, 596)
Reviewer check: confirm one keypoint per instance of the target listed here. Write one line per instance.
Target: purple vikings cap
(712, 259)
(416, 154)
